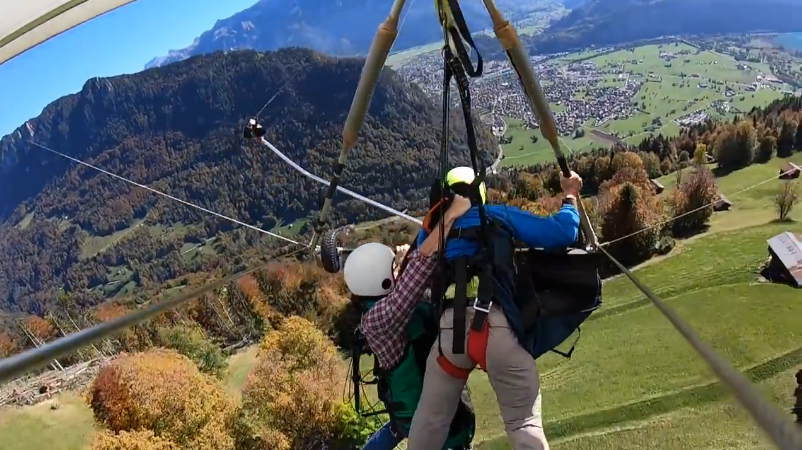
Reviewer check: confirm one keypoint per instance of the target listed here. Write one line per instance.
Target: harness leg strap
(477, 352)
(454, 371)
(477, 345)
(479, 332)
(480, 325)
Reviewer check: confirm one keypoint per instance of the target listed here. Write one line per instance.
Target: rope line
(667, 221)
(15, 366)
(165, 195)
(348, 192)
(269, 101)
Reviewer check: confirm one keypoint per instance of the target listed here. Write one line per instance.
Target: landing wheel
(329, 255)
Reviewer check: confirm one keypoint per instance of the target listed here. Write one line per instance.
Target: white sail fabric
(28, 23)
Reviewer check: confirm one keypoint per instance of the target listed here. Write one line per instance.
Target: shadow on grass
(655, 406)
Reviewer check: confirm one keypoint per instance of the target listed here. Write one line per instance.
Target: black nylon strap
(459, 67)
(470, 233)
(356, 353)
(460, 304)
(462, 30)
(463, 88)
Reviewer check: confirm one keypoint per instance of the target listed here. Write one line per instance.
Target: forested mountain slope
(178, 129)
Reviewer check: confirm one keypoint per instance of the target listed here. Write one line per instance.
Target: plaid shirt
(384, 325)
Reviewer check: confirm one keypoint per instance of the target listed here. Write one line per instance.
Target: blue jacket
(555, 232)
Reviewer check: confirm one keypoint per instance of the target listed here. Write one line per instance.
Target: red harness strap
(476, 351)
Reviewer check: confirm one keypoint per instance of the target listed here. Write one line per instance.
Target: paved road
(494, 168)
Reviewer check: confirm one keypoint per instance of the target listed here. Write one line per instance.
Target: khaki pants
(512, 375)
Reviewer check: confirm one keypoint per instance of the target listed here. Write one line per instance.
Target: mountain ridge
(611, 22)
(269, 24)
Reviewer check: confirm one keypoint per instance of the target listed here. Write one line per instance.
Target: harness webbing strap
(356, 378)
(459, 304)
(458, 66)
(454, 23)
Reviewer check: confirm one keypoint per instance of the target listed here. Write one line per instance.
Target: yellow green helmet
(465, 175)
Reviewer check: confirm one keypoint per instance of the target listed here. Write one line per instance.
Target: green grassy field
(522, 152)
(398, 59)
(40, 427)
(753, 206)
(674, 91)
(669, 91)
(633, 382)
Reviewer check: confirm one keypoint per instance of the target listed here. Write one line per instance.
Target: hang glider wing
(25, 24)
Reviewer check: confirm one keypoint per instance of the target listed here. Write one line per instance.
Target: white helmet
(368, 270)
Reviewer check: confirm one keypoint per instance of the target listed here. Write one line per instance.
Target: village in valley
(603, 96)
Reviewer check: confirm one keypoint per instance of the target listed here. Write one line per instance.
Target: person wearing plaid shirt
(396, 315)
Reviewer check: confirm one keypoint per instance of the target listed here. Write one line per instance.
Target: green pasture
(522, 152)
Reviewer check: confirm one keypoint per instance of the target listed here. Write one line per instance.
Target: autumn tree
(8, 345)
(651, 164)
(208, 313)
(246, 307)
(528, 186)
(786, 140)
(289, 288)
(192, 343)
(629, 209)
(39, 328)
(332, 300)
(735, 146)
(164, 392)
(785, 200)
(692, 202)
(700, 155)
(626, 159)
(665, 167)
(628, 174)
(131, 339)
(291, 398)
(798, 145)
(135, 440)
(767, 149)
(496, 196)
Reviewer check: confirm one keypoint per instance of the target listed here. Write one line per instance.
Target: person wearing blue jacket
(505, 349)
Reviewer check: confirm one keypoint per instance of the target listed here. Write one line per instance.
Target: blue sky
(119, 42)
